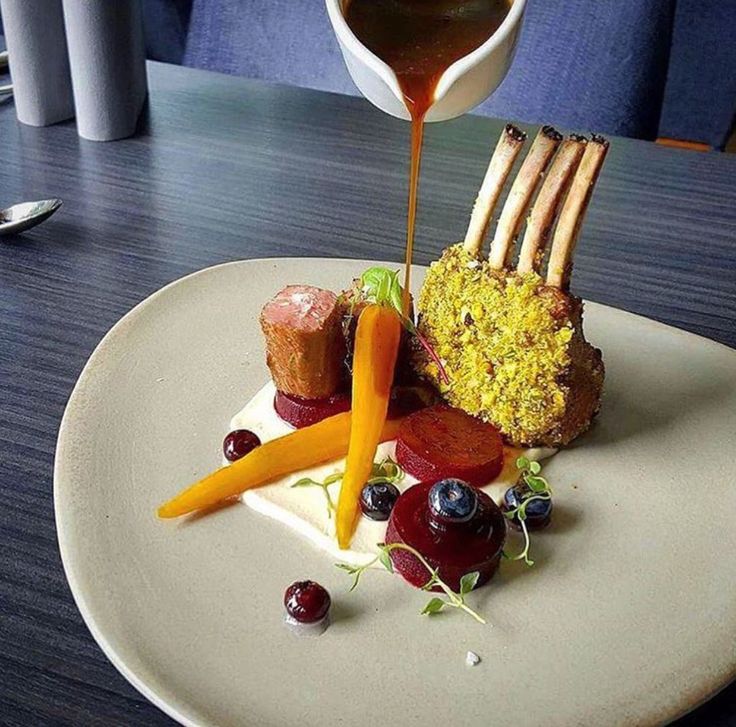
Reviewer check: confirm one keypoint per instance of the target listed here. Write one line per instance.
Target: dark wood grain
(225, 169)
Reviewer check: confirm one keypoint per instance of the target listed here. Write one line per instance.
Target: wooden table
(226, 168)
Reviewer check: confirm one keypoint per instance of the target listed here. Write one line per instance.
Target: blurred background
(649, 69)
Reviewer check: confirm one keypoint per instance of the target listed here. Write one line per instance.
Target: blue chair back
(700, 95)
(166, 26)
(288, 41)
(589, 65)
(581, 64)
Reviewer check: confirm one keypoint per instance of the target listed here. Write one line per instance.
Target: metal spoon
(3, 60)
(6, 91)
(25, 215)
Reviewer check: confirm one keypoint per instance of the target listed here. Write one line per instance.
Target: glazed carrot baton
(322, 442)
(376, 347)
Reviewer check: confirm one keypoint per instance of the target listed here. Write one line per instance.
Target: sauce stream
(419, 40)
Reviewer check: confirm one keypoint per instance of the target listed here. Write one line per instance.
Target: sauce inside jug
(419, 40)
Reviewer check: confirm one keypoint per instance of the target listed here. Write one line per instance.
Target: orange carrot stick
(376, 346)
(322, 442)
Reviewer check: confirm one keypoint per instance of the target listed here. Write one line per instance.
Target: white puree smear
(304, 509)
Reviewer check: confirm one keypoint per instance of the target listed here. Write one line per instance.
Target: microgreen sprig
(530, 473)
(383, 287)
(524, 554)
(539, 489)
(435, 604)
(329, 480)
(385, 470)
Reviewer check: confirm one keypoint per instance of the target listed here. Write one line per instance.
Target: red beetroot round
(441, 441)
(303, 412)
(455, 550)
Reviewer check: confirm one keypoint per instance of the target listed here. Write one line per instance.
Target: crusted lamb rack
(511, 341)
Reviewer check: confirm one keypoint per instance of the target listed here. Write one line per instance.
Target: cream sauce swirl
(304, 509)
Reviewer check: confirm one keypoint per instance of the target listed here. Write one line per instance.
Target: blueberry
(538, 511)
(377, 499)
(306, 601)
(452, 501)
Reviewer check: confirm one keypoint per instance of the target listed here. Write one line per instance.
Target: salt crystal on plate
(471, 658)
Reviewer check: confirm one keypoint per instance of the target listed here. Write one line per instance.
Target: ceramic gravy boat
(466, 83)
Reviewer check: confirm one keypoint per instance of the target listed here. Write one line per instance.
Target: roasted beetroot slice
(304, 412)
(453, 552)
(441, 441)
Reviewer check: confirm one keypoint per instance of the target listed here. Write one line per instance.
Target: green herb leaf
(396, 296)
(307, 482)
(385, 560)
(536, 484)
(539, 489)
(524, 555)
(381, 286)
(453, 600)
(355, 582)
(468, 582)
(347, 567)
(434, 605)
(386, 470)
(434, 579)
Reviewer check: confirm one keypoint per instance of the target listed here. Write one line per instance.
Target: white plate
(629, 615)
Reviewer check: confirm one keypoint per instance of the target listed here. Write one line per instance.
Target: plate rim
(677, 711)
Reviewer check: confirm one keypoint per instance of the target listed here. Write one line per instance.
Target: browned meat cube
(305, 346)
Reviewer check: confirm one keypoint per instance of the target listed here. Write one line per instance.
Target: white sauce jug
(463, 85)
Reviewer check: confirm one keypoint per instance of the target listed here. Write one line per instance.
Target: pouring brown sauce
(419, 40)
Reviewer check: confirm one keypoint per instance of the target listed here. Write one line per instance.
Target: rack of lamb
(511, 341)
